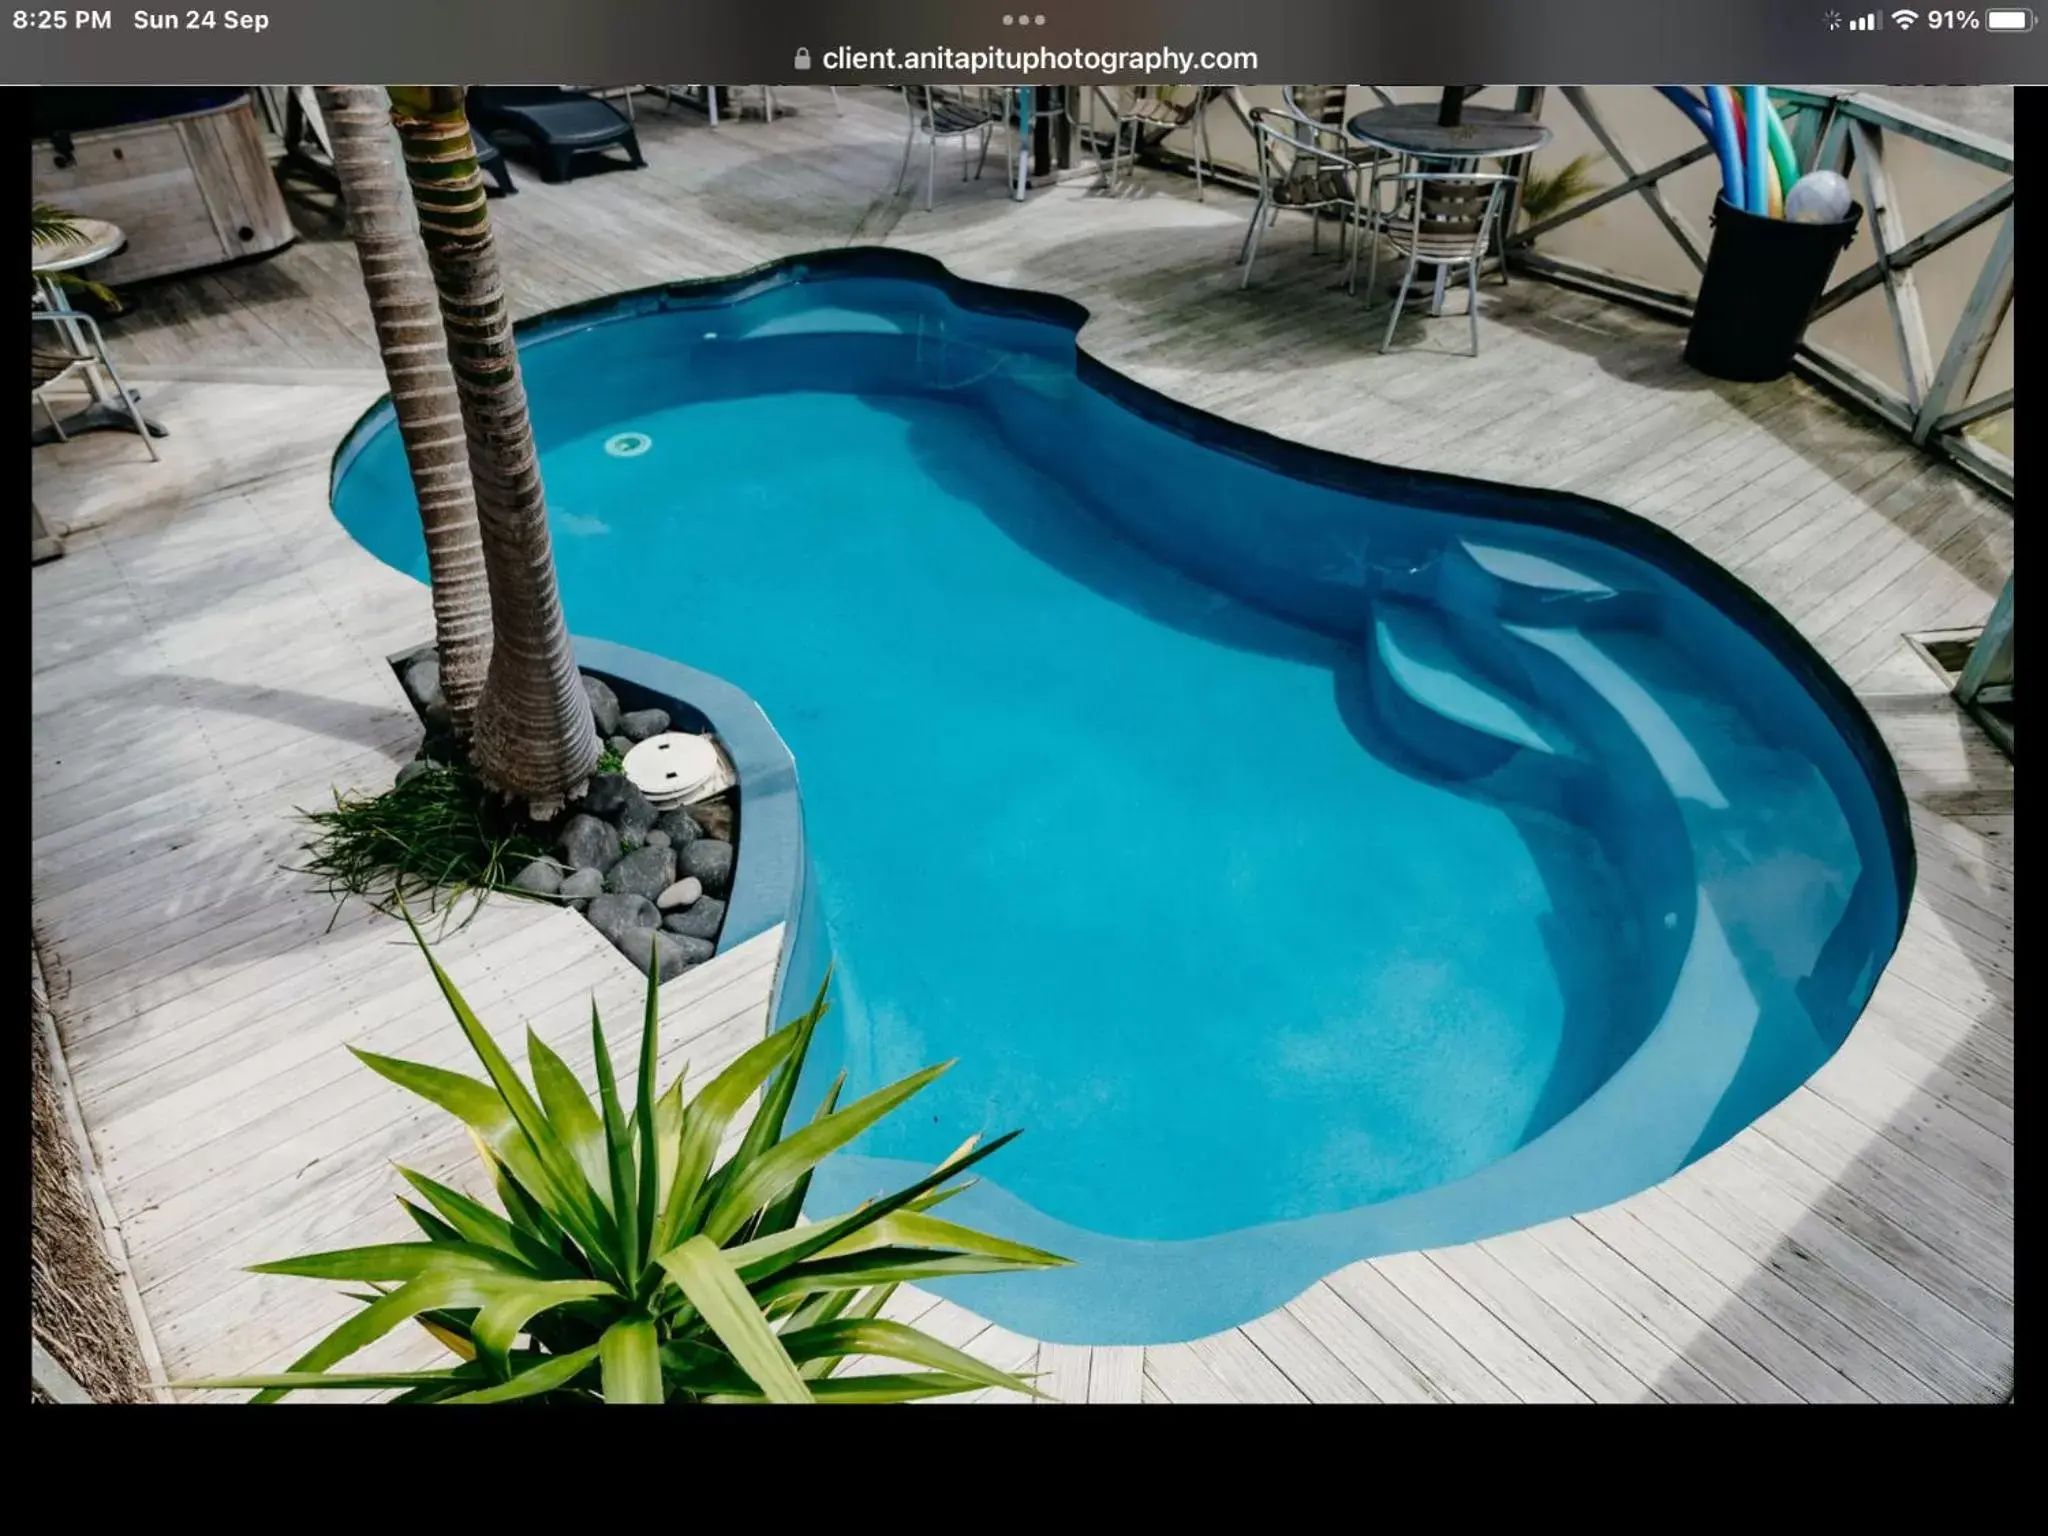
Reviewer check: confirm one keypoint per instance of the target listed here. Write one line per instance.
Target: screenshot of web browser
(1413, 676)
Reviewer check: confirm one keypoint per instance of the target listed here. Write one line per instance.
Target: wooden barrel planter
(189, 188)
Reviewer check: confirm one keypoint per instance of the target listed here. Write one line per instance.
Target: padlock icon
(803, 58)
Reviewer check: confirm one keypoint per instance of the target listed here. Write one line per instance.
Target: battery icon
(2009, 20)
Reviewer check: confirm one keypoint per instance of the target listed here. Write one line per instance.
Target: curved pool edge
(773, 884)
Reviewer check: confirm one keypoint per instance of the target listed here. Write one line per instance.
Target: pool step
(1677, 762)
(1443, 707)
(1526, 588)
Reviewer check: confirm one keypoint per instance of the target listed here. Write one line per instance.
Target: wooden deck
(210, 653)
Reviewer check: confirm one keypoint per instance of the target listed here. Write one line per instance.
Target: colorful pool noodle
(1782, 156)
(1725, 122)
(1775, 169)
(1756, 152)
(1773, 204)
(1726, 142)
(1691, 106)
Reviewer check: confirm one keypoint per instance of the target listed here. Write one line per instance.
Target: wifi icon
(1904, 20)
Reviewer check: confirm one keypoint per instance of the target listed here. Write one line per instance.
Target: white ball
(1820, 197)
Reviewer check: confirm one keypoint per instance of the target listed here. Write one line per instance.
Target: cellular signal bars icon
(1870, 21)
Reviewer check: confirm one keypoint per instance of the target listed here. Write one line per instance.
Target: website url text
(1043, 63)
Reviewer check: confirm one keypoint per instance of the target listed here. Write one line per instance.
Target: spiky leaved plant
(1548, 192)
(638, 1266)
(50, 227)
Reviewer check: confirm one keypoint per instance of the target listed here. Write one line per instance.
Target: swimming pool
(1317, 860)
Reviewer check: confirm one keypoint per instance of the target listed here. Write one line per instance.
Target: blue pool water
(1316, 861)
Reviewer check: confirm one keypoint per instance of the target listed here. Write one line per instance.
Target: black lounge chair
(554, 126)
(491, 161)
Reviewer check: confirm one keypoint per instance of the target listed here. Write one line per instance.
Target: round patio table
(1415, 130)
(1412, 128)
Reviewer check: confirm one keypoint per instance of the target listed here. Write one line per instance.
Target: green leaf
(630, 1353)
(825, 1307)
(959, 1155)
(436, 1230)
(550, 1375)
(393, 1261)
(503, 1318)
(879, 1266)
(782, 1164)
(872, 1301)
(618, 1151)
(766, 1129)
(568, 1108)
(895, 1341)
(783, 1214)
(469, 1221)
(650, 1152)
(476, 1104)
(765, 1257)
(698, 1365)
(425, 1293)
(581, 1211)
(50, 225)
(704, 1123)
(522, 1208)
(451, 1331)
(940, 1196)
(912, 1229)
(720, 1297)
(668, 1136)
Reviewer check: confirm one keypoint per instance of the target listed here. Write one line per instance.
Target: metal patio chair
(1441, 220)
(1304, 166)
(74, 348)
(1157, 112)
(941, 113)
(1325, 106)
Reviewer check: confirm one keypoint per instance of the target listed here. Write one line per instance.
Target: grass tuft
(426, 844)
(609, 761)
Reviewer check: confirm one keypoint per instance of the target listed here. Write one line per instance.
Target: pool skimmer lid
(628, 445)
(676, 769)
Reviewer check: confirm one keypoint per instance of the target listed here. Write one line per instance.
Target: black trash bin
(1762, 280)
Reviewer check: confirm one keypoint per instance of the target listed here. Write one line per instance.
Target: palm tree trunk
(407, 317)
(533, 736)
